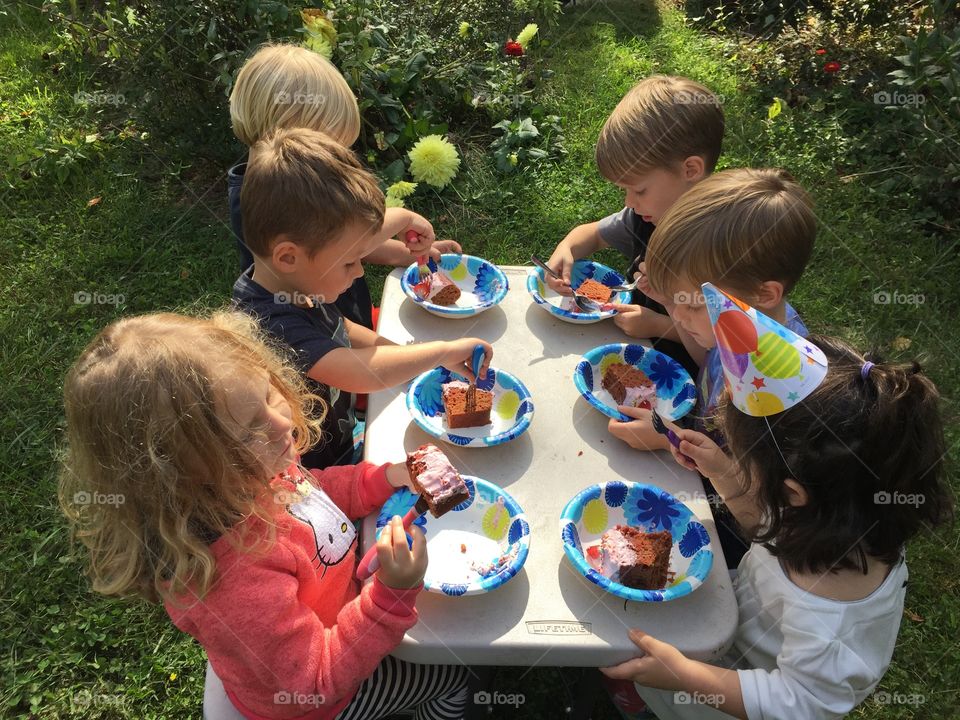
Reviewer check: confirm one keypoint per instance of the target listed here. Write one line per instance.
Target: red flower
(821, 51)
(513, 48)
(831, 67)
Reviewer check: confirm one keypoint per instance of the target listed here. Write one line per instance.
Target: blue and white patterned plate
(582, 270)
(598, 508)
(482, 285)
(510, 417)
(676, 393)
(474, 548)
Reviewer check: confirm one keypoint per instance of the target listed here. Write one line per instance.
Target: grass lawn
(159, 238)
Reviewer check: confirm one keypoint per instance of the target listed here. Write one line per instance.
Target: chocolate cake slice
(595, 291)
(435, 479)
(438, 289)
(635, 558)
(620, 376)
(466, 405)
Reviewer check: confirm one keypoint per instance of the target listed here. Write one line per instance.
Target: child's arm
(397, 221)
(664, 667)
(379, 367)
(360, 489)
(704, 455)
(581, 242)
(257, 630)
(391, 252)
(362, 336)
(640, 322)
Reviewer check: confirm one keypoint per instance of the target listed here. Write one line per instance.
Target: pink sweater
(287, 631)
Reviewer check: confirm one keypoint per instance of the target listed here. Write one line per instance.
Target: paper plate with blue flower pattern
(474, 548)
(509, 418)
(597, 508)
(562, 306)
(482, 285)
(676, 393)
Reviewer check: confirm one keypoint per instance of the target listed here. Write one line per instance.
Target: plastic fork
(582, 301)
(661, 427)
(422, 267)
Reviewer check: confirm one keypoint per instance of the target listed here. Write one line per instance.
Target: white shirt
(799, 655)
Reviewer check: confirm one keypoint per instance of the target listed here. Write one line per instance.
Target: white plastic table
(548, 614)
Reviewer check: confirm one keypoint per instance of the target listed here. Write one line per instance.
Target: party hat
(767, 367)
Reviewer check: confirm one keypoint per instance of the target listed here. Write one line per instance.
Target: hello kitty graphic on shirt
(332, 530)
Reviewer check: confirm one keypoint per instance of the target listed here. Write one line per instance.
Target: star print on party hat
(766, 366)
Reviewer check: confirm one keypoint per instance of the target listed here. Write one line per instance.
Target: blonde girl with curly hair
(182, 479)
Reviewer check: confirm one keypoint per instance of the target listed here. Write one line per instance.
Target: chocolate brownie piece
(595, 291)
(466, 405)
(635, 558)
(620, 376)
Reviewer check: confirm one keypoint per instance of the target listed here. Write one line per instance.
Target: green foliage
(522, 144)
(892, 80)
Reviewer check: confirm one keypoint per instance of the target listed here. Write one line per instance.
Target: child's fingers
(625, 309)
(634, 412)
(385, 545)
(682, 459)
(419, 549)
(629, 670)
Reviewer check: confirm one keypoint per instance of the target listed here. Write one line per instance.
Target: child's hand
(661, 665)
(703, 455)
(424, 230)
(643, 285)
(458, 355)
(444, 246)
(637, 321)
(401, 567)
(637, 433)
(398, 476)
(561, 262)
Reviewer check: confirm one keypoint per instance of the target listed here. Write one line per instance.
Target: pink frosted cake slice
(438, 289)
(435, 479)
(635, 558)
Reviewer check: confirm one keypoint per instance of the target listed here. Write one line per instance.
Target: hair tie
(865, 370)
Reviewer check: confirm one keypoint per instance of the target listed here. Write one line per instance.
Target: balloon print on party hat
(766, 366)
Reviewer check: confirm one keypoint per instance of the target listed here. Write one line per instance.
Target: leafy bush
(430, 67)
(889, 81)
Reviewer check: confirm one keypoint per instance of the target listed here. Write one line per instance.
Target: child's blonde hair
(306, 187)
(739, 229)
(286, 86)
(662, 120)
(155, 467)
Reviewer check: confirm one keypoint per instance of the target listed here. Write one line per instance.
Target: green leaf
(776, 107)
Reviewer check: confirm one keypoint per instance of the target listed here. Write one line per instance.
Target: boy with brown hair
(663, 137)
(311, 213)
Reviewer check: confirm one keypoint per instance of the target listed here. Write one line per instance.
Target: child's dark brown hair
(867, 446)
